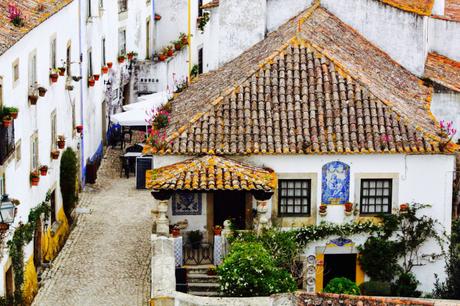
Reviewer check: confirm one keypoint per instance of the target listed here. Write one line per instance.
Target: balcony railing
(6, 142)
(122, 6)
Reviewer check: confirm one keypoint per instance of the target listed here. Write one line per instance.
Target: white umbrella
(135, 117)
(149, 102)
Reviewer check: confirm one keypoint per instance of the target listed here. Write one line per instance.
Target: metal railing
(198, 254)
(6, 142)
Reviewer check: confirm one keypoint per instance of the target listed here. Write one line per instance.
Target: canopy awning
(149, 102)
(136, 117)
(210, 173)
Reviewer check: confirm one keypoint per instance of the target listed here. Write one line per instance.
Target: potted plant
(183, 38)
(43, 170)
(79, 128)
(41, 91)
(55, 154)
(54, 75)
(12, 111)
(61, 71)
(211, 271)
(195, 238)
(33, 99)
(157, 17)
(175, 231)
(109, 65)
(96, 77)
(121, 59)
(170, 51)
(131, 55)
(177, 45)
(34, 178)
(162, 57)
(217, 230)
(104, 69)
(348, 208)
(15, 15)
(404, 207)
(7, 120)
(61, 142)
(323, 210)
(91, 82)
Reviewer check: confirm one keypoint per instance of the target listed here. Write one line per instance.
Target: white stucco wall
(417, 178)
(446, 106)
(444, 38)
(400, 34)
(280, 11)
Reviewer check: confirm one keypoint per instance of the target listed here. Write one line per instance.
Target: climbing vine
(22, 236)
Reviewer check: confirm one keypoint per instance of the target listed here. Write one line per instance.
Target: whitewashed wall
(280, 11)
(444, 37)
(446, 106)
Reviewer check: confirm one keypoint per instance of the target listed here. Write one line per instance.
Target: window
(53, 130)
(121, 42)
(200, 60)
(104, 60)
(90, 63)
(294, 197)
(376, 196)
(2, 184)
(74, 116)
(101, 4)
(34, 152)
(53, 207)
(32, 70)
(53, 53)
(122, 6)
(89, 8)
(15, 71)
(68, 59)
(200, 10)
(147, 39)
(1, 92)
(17, 152)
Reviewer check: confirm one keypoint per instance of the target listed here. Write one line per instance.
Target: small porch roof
(209, 173)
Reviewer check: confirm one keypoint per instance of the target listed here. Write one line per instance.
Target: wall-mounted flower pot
(61, 71)
(184, 41)
(96, 77)
(404, 207)
(177, 46)
(79, 128)
(170, 52)
(157, 17)
(14, 115)
(54, 77)
(104, 69)
(91, 82)
(121, 59)
(55, 154)
(130, 57)
(41, 91)
(162, 57)
(33, 99)
(43, 171)
(217, 231)
(109, 65)
(7, 121)
(175, 232)
(34, 180)
(61, 144)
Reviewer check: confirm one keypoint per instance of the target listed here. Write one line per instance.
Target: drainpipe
(151, 30)
(189, 34)
(82, 142)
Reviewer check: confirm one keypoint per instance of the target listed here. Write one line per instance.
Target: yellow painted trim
(30, 287)
(319, 271)
(52, 244)
(359, 271)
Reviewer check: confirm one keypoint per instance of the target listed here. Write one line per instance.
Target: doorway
(339, 265)
(230, 205)
(9, 282)
(38, 244)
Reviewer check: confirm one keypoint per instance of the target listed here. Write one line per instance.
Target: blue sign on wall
(335, 183)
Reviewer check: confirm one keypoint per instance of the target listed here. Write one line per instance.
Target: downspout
(152, 31)
(82, 142)
(189, 34)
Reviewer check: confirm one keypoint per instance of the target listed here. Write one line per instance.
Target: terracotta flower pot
(54, 77)
(96, 77)
(14, 115)
(157, 17)
(348, 207)
(121, 59)
(404, 207)
(170, 52)
(61, 71)
(79, 128)
(91, 82)
(61, 144)
(55, 154)
(6, 122)
(178, 47)
(109, 64)
(184, 40)
(217, 231)
(33, 99)
(162, 57)
(43, 171)
(41, 91)
(105, 69)
(130, 57)
(34, 181)
(175, 232)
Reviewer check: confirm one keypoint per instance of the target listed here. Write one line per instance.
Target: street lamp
(7, 210)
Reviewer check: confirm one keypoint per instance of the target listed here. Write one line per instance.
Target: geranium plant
(15, 15)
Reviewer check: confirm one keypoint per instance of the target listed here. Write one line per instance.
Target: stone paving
(106, 260)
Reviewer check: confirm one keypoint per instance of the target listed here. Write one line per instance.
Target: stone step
(197, 270)
(202, 278)
(200, 293)
(208, 287)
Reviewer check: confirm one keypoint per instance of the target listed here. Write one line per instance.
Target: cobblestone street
(107, 256)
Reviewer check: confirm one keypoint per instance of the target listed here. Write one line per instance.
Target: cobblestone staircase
(201, 284)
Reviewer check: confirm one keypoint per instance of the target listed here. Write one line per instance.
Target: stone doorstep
(200, 278)
(204, 293)
(203, 285)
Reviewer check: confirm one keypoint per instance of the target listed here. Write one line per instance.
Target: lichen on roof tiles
(443, 70)
(211, 173)
(10, 34)
(420, 7)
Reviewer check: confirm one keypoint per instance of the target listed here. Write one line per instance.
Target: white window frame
(34, 152)
(394, 194)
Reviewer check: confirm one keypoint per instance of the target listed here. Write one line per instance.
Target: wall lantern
(7, 212)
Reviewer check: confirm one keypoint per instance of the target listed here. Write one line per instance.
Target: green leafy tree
(68, 180)
(250, 270)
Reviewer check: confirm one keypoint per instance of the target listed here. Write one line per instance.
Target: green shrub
(250, 270)
(68, 180)
(406, 285)
(342, 285)
(375, 288)
(378, 267)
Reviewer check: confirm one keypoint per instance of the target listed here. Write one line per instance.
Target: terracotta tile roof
(212, 4)
(325, 91)
(10, 34)
(443, 70)
(420, 7)
(211, 173)
(452, 10)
